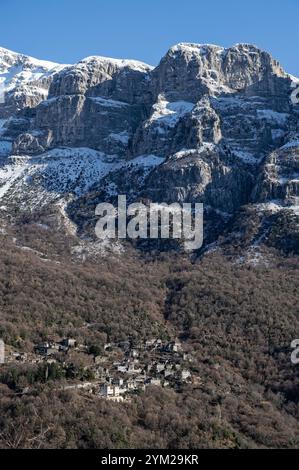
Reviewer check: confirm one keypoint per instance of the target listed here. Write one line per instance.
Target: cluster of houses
(44, 351)
(48, 348)
(124, 368)
(152, 362)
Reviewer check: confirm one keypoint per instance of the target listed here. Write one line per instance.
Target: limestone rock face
(208, 124)
(148, 106)
(97, 103)
(204, 175)
(203, 124)
(100, 76)
(245, 65)
(189, 71)
(125, 107)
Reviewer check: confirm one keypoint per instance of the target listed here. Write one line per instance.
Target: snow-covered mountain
(24, 81)
(207, 124)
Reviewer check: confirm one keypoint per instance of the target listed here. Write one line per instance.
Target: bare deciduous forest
(237, 320)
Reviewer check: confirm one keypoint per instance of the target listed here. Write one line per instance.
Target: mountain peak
(189, 48)
(16, 58)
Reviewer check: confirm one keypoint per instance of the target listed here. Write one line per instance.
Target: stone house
(69, 342)
(47, 348)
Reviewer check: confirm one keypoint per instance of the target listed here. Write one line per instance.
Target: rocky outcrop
(189, 71)
(278, 181)
(27, 144)
(206, 175)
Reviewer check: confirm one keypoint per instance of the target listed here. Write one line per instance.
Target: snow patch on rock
(22, 70)
(168, 114)
(61, 171)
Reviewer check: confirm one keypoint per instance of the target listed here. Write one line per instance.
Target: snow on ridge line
(122, 63)
(198, 49)
(50, 65)
(203, 48)
(20, 72)
(24, 57)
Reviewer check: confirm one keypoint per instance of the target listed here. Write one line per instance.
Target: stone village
(123, 369)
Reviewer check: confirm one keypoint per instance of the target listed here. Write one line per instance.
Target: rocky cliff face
(207, 124)
(279, 176)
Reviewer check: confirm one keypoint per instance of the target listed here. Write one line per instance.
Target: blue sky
(68, 30)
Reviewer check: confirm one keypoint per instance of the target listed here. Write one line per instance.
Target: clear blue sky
(68, 30)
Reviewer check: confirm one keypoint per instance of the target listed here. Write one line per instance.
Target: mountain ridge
(207, 124)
